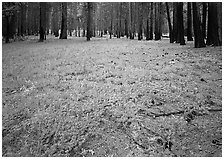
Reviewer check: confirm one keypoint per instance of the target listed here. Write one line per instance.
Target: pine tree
(189, 22)
(198, 35)
(63, 34)
(42, 21)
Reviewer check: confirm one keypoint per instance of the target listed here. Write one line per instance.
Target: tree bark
(213, 33)
(22, 7)
(126, 27)
(120, 13)
(169, 22)
(55, 20)
(204, 15)
(140, 21)
(147, 30)
(42, 21)
(7, 29)
(175, 27)
(189, 22)
(219, 15)
(63, 34)
(111, 21)
(151, 23)
(180, 23)
(131, 30)
(157, 21)
(198, 36)
(89, 23)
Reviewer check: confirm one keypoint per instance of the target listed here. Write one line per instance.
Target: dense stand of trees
(199, 21)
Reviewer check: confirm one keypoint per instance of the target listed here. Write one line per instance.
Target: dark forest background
(199, 21)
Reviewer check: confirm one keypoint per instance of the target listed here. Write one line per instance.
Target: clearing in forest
(115, 97)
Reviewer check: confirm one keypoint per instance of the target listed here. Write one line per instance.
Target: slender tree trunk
(7, 30)
(204, 16)
(169, 22)
(189, 22)
(63, 34)
(89, 6)
(111, 22)
(140, 21)
(151, 22)
(219, 16)
(198, 36)
(55, 21)
(126, 27)
(22, 20)
(94, 30)
(181, 23)
(118, 19)
(175, 27)
(131, 30)
(157, 21)
(120, 13)
(42, 21)
(147, 30)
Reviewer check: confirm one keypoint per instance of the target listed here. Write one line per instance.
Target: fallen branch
(154, 115)
(167, 114)
(215, 110)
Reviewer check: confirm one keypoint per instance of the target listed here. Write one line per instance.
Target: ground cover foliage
(110, 98)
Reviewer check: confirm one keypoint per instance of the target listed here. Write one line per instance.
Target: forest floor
(115, 97)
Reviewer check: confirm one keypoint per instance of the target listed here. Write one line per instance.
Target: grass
(100, 98)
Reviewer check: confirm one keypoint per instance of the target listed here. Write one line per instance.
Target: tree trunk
(89, 7)
(94, 31)
(7, 29)
(118, 31)
(175, 27)
(111, 22)
(42, 21)
(180, 23)
(213, 33)
(169, 22)
(120, 13)
(55, 27)
(189, 22)
(204, 15)
(157, 21)
(131, 30)
(151, 23)
(63, 34)
(22, 20)
(140, 21)
(126, 27)
(219, 15)
(198, 36)
(147, 30)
